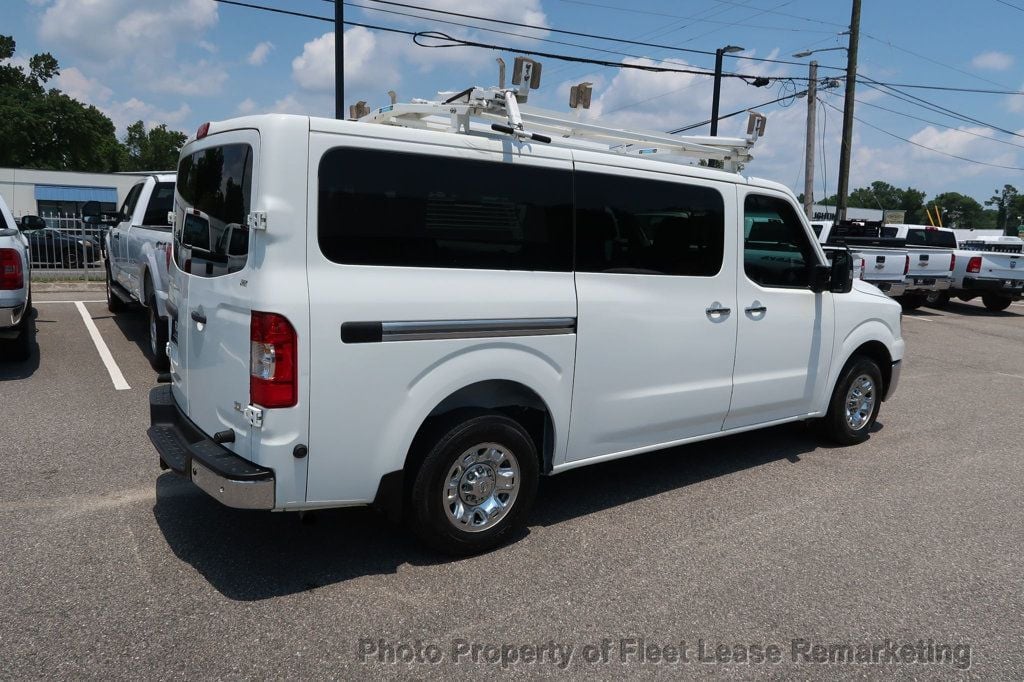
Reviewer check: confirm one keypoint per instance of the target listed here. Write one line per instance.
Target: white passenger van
(428, 321)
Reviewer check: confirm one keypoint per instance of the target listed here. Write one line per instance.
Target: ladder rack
(497, 112)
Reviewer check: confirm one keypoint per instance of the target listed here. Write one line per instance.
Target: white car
(429, 321)
(15, 289)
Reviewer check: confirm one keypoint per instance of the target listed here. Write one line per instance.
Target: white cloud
(100, 29)
(992, 61)
(259, 54)
(246, 106)
(369, 63)
(202, 78)
(77, 85)
(127, 112)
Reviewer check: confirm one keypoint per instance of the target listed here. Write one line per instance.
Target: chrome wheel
(860, 402)
(481, 487)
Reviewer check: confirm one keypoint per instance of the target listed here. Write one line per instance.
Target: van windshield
(214, 192)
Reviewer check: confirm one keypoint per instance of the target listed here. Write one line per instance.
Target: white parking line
(915, 317)
(101, 347)
(89, 301)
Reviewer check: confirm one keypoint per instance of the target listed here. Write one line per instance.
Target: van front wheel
(855, 402)
(476, 485)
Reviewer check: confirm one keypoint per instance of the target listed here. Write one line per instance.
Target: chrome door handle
(198, 317)
(756, 309)
(717, 309)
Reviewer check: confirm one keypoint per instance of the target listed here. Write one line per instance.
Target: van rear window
(416, 210)
(213, 195)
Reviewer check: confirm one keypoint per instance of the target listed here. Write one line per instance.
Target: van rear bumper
(220, 473)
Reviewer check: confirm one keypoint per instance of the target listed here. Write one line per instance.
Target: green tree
(883, 196)
(43, 128)
(958, 210)
(1003, 200)
(156, 149)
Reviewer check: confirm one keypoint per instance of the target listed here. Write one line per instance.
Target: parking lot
(113, 568)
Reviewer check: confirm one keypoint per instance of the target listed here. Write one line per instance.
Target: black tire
(157, 336)
(114, 303)
(428, 510)
(20, 349)
(911, 301)
(835, 425)
(937, 299)
(995, 302)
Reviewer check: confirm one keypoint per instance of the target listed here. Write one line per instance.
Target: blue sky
(182, 62)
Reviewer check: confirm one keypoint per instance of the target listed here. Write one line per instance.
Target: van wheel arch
(875, 350)
(497, 396)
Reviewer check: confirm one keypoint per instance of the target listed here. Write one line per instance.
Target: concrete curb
(64, 287)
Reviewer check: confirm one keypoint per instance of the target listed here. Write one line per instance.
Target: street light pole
(812, 107)
(339, 60)
(851, 86)
(716, 95)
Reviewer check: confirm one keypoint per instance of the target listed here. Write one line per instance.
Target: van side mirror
(840, 277)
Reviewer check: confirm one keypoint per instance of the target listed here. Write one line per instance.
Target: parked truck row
(918, 264)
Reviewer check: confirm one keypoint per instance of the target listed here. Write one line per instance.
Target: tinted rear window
(390, 208)
(214, 191)
(922, 237)
(161, 202)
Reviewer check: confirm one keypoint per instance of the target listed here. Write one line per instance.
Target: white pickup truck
(989, 267)
(15, 290)
(930, 271)
(884, 261)
(138, 249)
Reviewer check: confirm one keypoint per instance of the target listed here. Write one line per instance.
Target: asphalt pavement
(765, 554)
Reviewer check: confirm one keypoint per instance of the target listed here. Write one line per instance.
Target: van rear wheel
(475, 486)
(855, 402)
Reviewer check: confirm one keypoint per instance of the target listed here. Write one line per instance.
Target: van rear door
(213, 196)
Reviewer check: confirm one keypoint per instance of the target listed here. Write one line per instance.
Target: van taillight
(12, 276)
(952, 262)
(974, 265)
(906, 265)
(273, 361)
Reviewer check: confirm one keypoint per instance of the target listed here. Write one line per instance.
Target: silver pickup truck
(138, 249)
(15, 290)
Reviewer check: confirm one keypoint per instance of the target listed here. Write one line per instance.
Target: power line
(931, 149)
(578, 34)
(676, 131)
(1010, 4)
(932, 60)
(935, 123)
(633, 10)
(948, 88)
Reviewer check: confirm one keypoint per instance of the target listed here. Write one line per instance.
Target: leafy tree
(883, 196)
(958, 210)
(156, 149)
(1003, 200)
(43, 128)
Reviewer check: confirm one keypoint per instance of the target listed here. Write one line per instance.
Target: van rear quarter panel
(367, 400)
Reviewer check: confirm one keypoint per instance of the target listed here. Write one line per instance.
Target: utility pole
(812, 108)
(851, 86)
(339, 59)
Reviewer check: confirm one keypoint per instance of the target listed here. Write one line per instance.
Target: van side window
(636, 226)
(417, 210)
(776, 251)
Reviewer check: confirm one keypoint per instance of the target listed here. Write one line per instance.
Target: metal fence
(67, 248)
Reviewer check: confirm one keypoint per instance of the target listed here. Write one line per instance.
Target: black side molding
(362, 332)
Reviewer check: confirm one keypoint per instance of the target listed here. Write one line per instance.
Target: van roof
(266, 123)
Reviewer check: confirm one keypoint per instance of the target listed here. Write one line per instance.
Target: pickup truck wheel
(476, 484)
(911, 301)
(157, 336)
(937, 299)
(20, 349)
(855, 402)
(995, 302)
(114, 304)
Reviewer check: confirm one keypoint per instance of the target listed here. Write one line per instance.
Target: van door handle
(198, 317)
(717, 309)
